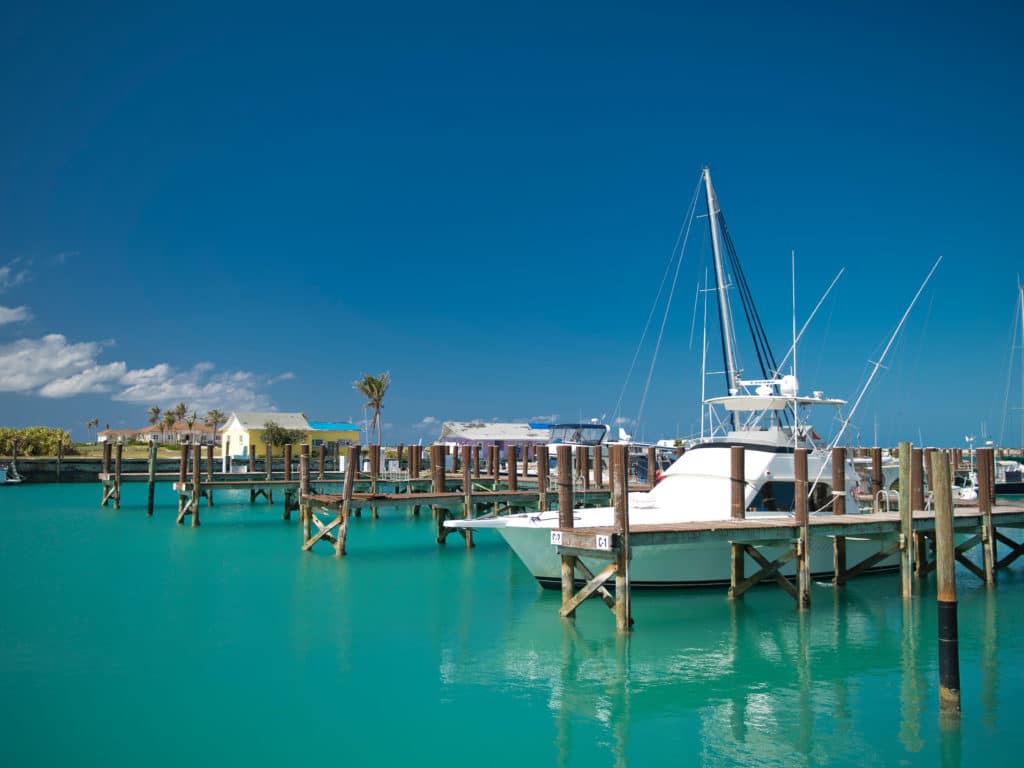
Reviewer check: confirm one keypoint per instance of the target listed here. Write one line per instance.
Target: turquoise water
(129, 640)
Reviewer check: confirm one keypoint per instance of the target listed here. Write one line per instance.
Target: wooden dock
(906, 532)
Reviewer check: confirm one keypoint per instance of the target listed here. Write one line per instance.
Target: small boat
(9, 474)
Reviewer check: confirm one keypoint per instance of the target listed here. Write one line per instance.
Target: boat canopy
(768, 402)
(579, 434)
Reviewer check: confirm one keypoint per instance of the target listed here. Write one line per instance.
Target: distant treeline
(34, 441)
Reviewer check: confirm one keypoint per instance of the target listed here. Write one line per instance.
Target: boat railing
(882, 497)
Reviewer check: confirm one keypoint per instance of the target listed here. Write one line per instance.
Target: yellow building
(243, 433)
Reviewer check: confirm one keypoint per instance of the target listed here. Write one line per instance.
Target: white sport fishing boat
(767, 417)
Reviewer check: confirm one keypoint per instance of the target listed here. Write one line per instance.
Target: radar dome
(788, 386)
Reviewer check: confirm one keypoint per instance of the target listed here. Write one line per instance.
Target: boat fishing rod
(877, 364)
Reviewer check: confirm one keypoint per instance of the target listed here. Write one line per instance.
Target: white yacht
(767, 417)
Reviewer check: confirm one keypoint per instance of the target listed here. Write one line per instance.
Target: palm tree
(179, 411)
(169, 421)
(154, 415)
(373, 389)
(214, 419)
(89, 425)
(191, 421)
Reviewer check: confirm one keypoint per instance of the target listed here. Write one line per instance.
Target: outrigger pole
(878, 363)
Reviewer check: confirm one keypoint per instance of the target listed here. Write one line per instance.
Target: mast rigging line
(650, 315)
(668, 306)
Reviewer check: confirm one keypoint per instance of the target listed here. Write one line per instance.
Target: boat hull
(689, 565)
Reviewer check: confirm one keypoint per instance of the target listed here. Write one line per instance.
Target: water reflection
(762, 682)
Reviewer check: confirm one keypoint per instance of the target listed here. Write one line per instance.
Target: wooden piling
(209, 473)
(542, 478)
(877, 479)
(584, 455)
(565, 520)
(738, 482)
(737, 511)
(510, 460)
(305, 514)
(323, 461)
(917, 503)
(106, 457)
(906, 520)
(803, 561)
(375, 454)
(467, 490)
(196, 482)
(839, 508)
(476, 462)
(437, 476)
(182, 478)
(288, 462)
(118, 450)
(351, 464)
(620, 499)
(949, 653)
(526, 461)
(60, 457)
(652, 467)
(270, 461)
(598, 468)
(251, 468)
(986, 471)
(151, 477)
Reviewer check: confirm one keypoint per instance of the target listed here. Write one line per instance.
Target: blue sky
(249, 207)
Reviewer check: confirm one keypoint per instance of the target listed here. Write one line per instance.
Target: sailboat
(766, 415)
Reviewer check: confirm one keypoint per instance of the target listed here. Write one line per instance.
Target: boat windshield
(578, 434)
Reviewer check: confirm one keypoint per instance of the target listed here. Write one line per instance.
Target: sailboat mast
(725, 316)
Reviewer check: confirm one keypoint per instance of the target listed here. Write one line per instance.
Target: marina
(466, 637)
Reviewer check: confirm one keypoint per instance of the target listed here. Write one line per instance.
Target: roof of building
(483, 431)
(256, 420)
(179, 426)
(332, 426)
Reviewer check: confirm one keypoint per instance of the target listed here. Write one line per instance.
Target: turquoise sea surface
(128, 640)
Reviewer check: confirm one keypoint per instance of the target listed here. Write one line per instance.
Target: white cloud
(14, 315)
(426, 421)
(198, 387)
(98, 378)
(56, 368)
(286, 376)
(623, 420)
(11, 277)
(26, 364)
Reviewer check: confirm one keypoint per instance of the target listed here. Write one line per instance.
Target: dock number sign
(602, 541)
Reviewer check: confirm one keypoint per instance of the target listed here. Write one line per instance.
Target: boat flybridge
(765, 415)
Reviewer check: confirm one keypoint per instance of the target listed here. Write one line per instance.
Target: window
(317, 443)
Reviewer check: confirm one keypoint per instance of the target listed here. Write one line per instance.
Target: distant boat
(9, 474)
